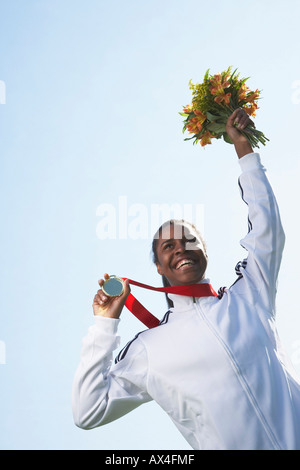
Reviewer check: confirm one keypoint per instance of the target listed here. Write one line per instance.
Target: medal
(114, 287)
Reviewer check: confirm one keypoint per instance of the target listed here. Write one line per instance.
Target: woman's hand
(238, 121)
(110, 307)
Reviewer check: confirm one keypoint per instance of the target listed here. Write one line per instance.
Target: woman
(214, 364)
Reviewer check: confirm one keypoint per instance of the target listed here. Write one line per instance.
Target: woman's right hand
(110, 307)
(238, 121)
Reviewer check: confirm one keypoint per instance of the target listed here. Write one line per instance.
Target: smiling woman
(179, 252)
(213, 363)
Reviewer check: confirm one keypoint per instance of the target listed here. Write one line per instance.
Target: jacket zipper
(241, 379)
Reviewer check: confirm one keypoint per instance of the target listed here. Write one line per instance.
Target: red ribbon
(139, 311)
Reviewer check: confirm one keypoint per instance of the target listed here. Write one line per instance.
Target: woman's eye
(168, 245)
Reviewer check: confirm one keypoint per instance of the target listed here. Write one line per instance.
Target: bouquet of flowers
(214, 100)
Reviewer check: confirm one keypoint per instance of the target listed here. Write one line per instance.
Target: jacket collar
(183, 302)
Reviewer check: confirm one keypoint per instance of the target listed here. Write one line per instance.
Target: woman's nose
(180, 246)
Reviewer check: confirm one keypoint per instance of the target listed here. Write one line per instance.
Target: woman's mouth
(184, 264)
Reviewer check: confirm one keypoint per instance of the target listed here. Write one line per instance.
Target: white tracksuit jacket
(215, 366)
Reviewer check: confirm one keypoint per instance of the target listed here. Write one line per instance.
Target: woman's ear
(159, 269)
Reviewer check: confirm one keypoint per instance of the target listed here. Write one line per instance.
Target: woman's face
(181, 255)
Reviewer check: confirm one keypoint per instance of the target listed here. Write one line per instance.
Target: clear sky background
(93, 91)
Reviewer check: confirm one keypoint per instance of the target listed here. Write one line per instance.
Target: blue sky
(92, 95)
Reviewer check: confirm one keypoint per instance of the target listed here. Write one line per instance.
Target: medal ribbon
(139, 311)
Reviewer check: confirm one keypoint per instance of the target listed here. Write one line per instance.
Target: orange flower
(194, 125)
(201, 117)
(226, 82)
(190, 128)
(217, 84)
(193, 128)
(253, 96)
(216, 78)
(188, 109)
(251, 110)
(242, 92)
(225, 98)
(216, 90)
(218, 99)
(206, 139)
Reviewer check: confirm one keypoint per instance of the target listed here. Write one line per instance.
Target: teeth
(183, 262)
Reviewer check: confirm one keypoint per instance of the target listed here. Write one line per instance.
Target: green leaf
(184, 114)
(227, 139)
(224, 115)
(244, 80)
(232, 75)
(216, 127)
(212, 117)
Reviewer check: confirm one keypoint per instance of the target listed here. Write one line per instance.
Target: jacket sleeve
(103, 392)
(265, 238)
